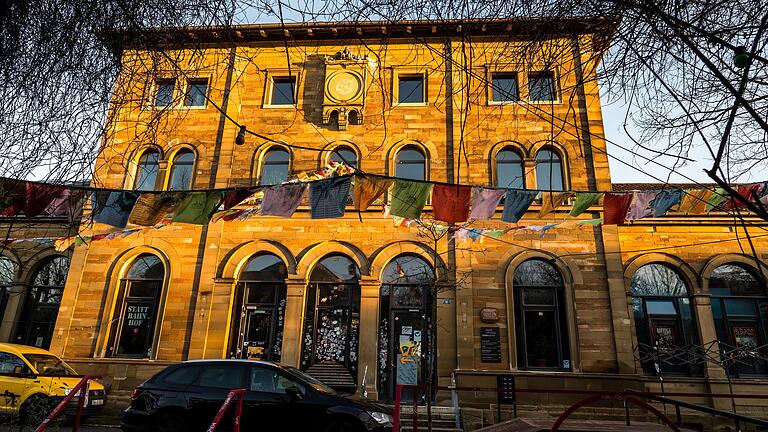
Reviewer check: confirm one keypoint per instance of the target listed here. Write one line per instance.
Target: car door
(213, 385)
(14, 382)
(270, 406)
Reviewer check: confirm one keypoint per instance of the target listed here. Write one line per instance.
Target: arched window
(510, 172)
(549, 170)
(146, 170)
(7, 275)
(42, 304)
(740, 310)
(138, 305)
(404, 306)
(259, 309)
(541, 325)
(344, 154)
(182, 170)
(332, 322)
(664, 321)
(411, 164)
(275, 166)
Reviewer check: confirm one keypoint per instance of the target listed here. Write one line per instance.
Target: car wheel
(342, 426)
(170, 422)
(35, 410)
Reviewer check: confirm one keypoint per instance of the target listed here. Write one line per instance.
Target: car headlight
(382, 418)
(67, 391)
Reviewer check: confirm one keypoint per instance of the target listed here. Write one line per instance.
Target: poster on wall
(745, 337)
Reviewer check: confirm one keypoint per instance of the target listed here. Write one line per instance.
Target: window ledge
(286, 106)
(545, 102)
(514, 102)
(410, 104)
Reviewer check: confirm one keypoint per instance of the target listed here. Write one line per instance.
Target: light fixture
(240, 138)
(740, 57)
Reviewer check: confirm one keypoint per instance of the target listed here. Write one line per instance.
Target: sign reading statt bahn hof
(135, 332)
(490, 345)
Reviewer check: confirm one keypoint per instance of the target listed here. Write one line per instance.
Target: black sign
(490, 345)
(506, 386)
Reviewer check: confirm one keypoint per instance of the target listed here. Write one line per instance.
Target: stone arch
(382, 256)
(132, 164)
(258, 158)
(231, 265)
(360, 150)
(493, 150)
(572, 279)
(26, 271)
(310, 256)
(427, 147)
(760, 269)
(682, 268)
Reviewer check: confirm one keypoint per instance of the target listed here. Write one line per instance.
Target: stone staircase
(443, 419)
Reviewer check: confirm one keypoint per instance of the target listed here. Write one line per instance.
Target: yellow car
(33, 381)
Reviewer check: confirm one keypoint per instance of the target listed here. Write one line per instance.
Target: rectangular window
(504, 87)
(283, 91)
(541, 86)
(164, 92)
(196, 91)
(410, 89)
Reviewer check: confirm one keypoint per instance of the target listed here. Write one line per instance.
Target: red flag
(450, 203)
(615, 208)
(749, 192)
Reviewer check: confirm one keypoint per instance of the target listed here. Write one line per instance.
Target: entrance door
(258, 333)
(407, 348)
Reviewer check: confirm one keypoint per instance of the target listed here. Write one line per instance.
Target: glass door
(257, 335)
(408, 346)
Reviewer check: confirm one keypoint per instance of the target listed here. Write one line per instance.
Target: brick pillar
(717, 379)
(368, 341)
(619, 300)
(464, 310)
(294, 320)
(13, 309)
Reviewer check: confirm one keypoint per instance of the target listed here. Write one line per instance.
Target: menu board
(490, 345)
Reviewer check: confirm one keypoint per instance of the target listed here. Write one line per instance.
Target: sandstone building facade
(498, 103)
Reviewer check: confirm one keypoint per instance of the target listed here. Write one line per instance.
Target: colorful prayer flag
(718, 197)
(113, 207)
(484, 202)
(584, 200)
(409, 198)
(695, 201)
(550, 201)
(197, 207)
(237, 195)
(516, 202)
(282, 200)
(328, 198)
(640, 207)
(450, 203)
(615, 208)
(369, 189)
(665, 200)
(152, 207)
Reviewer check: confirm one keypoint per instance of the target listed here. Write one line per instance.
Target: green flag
(717, 198)
(584, 200)
(409, 198)
(593, 222)
(197, 207)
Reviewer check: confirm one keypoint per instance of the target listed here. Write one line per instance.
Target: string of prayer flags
(68, 204)
(39, 196)
(718, 197)
(640, 207)
(369, 189)
(282, 200)
(584, 200)
(484, 202)
(409, 198)
(113, 207)
(236, 196)
(152, 208)
(695, 201)
(516, 202)
(550, 201)
(665, 200)
(615, 208)
(451, 203)
(328, 198)
(197, 207)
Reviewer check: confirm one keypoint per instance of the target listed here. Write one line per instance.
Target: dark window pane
(261, 292)
(541, 86)
(661, 307)
(541, 339)
(225, 376)
(344, 155)
(274, 169)
(146, 289)
(264, 267)
(9, 363)
(407, 295)
(657, 280)
(7, 271)
(196, 93)
(536, 272)
(164, 95)
(182, 170)
(185, 375)
(335, 268)
(410, 89)
(509, 170)
(146, 172)
(52, 273)
(138, 328)
(742, 307)
(734, 280)
(539, 296)
(283, 89)
(146, 266)
(504, 87)
(270, 381)
(408, 270)
(410, 164)
(549, 171)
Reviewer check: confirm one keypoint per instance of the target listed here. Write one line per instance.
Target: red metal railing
(223, 410)
(80, 390)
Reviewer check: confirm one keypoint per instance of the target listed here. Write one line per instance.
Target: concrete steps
(443, 419)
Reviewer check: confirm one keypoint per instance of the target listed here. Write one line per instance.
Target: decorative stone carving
(346, 78)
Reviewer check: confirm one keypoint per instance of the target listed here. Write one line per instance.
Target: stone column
(619, 300)
(529, 170)
(368, 340)
(162, 170)
(214, 311)
(463, 308)
(717, 379)
(294, 321)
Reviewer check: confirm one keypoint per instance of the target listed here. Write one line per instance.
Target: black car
(187, 396)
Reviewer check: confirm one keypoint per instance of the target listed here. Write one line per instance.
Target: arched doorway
(404, 311)
(664, 321)
(42, 304)
(332, 322)
(259, 310)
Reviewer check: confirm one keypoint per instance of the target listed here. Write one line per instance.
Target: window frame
(495, 165)
(558, 94)
(563, 167)
(409, 72)
(269, 87)
(490, 87)
(418, 148)
(261, 160)
(156, 84)
(343, 146)
(188, 88)
(172, 166)
(137, 168)
(33, 304)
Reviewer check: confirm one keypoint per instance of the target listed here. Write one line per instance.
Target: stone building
(510, 103)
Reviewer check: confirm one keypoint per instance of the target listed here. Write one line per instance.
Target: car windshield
(46, 364)
(309, 379)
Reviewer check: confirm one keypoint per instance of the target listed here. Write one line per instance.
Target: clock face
(343, 86)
